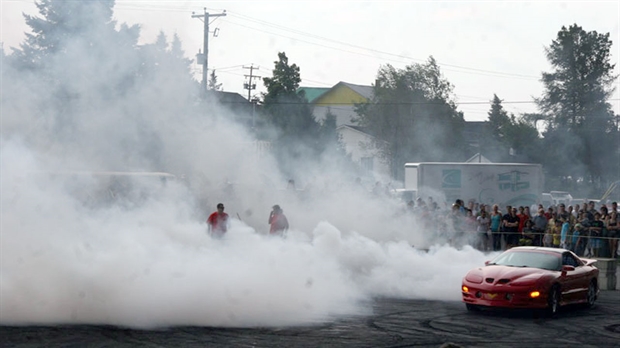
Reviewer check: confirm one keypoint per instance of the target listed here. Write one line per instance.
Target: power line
(258, 21)
(141, 6)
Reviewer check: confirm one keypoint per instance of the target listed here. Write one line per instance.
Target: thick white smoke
(144, 259)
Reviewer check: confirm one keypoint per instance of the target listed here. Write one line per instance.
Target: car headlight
(474, 278)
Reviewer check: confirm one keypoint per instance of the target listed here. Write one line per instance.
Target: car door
(575, 282)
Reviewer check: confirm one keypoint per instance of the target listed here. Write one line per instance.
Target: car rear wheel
(553, 301)
(591, 295)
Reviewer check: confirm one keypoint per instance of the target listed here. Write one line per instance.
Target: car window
(570, 260)
(543, 260)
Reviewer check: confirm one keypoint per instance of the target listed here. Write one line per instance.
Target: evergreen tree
(499, 121)
(83, 78)
(413, 116)
(212, 83)
(575, 104)
(288, 111)
(512, 139)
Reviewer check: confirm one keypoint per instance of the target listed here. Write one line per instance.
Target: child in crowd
(527, 234)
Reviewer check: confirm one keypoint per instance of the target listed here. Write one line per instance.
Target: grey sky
(483, 47)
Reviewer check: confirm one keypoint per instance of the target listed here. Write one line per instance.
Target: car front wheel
(472, 307)
(591, 295)
(553, 300)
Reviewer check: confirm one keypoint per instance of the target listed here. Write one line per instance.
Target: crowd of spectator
(583, 229)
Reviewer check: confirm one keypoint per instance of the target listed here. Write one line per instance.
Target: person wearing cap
(278, 221)
(218, 222)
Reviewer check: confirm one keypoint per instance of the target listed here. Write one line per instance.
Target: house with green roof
(311, 93)
(340, 101)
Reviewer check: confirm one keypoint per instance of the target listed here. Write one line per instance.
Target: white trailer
(515, 184)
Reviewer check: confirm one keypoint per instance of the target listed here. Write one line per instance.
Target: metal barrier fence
(586, 244)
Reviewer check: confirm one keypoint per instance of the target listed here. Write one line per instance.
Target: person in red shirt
(218, 222)
(523, 217)
(278, 222)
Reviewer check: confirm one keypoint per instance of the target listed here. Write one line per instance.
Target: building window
(367, 164)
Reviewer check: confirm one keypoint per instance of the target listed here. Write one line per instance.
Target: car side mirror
(486, 263)
(567, 268)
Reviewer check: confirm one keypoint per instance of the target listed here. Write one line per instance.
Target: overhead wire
(248, 18)
(457, 68)
(139, 5)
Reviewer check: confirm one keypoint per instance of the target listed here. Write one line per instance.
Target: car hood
(496, 274)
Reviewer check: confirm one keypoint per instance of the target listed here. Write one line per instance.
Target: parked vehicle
(555, 198)
(490, 183)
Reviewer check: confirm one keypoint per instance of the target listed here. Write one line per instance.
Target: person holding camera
(278, 221)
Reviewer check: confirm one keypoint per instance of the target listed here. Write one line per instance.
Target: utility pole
(251, 86)
(204, 57)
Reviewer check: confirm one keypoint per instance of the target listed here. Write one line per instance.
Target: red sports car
(532, 277)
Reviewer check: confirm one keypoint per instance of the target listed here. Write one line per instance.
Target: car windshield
(549, 261)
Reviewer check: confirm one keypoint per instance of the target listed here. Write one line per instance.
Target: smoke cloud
(79, 246)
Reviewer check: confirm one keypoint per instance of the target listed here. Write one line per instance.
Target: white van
(97, 189)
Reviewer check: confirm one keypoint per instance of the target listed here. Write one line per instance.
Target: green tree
(63, 22)
(510, 138)
(578, 116)
(499, 120)
(86, 77)
(67, 32)
(288, 111)
(413, 116)
(164, 63)
(330, 138)
(212, 84)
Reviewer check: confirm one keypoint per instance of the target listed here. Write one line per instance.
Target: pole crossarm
(205, 57)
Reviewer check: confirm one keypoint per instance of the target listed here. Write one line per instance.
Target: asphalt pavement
(393, 323)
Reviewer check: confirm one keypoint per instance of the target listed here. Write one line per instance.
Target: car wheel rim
(591, 294)
(553, 305)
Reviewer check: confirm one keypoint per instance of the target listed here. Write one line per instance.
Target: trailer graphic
(489, 183)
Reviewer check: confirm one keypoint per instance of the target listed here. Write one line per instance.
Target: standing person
(527, 233)
(510, 223)
(496, 220)
(556, 230)
(522, 218)
(564, 237)
(576, 210)
(613, 231)
(483, 228)
(278, 222)
(218, 222)
(596, 231)
(562, 211)
(539, 226)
